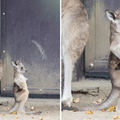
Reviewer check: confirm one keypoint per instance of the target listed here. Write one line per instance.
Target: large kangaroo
(113, 62)
(20, 83)
(75, 31)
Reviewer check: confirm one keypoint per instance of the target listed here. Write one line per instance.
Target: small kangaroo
(113, 62)
(19, 79)
(75, 31)
(20, 83)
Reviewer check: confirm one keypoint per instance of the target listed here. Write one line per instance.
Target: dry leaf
(70, 111)
(112, 108)
(2, 114)
(115, 117)
(76, 100)
(17, 117)
(32, 117)
(24, 113)
(10, 113)
(103, 110)
(41, 118)
(94, 102)
(65, 110)
(15, 112)
(32, 108)
(100, 100)
(89, 112)
(89, 117)
(74, 110)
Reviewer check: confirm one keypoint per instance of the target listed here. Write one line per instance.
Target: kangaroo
(19, 79)
(20, 83)
(75, 31)
(113, 62)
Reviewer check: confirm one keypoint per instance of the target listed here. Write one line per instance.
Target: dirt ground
(86, 99)
(50, 109)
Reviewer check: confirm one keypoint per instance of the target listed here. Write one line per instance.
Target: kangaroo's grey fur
(113, 62)
(20, 83)
(75, 31)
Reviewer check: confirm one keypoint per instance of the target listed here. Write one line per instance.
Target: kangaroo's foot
(67, 100)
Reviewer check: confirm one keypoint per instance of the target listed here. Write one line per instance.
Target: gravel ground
(86, 99)
(97, 115)
(50, 109)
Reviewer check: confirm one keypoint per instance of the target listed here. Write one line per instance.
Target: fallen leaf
(32, 108)
(89, 117)
(10, 113)
(70, 111)
(100, 100)
(115, 117)
(89, 112)
(112, 108)
(65, 110)
(41, 118)
(17, 117)
(76, 100)
(15, 112)
(74, 110)
(32, 117)
(2, 114)
(24, 113)
(94, 102)
(103, 110)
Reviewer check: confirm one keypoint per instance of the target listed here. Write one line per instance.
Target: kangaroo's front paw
(67, 101)
(19, 90)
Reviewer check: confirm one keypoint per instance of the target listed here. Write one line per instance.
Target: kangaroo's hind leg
(23, 98)
(68, 70)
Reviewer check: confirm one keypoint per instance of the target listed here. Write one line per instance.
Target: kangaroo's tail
(16, 104)
(112, 96)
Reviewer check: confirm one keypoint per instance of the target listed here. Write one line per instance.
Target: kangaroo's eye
(21, 68)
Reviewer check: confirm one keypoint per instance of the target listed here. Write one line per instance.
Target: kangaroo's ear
(18, 61)
(111, 15)
(14, 64)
